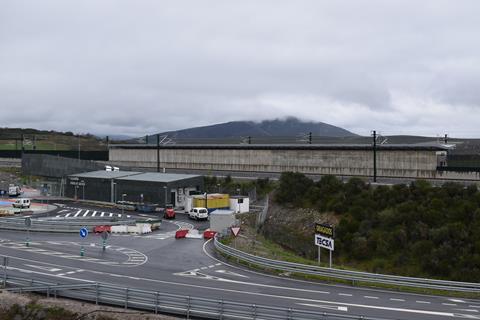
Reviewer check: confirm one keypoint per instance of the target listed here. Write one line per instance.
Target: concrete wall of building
(390, 163)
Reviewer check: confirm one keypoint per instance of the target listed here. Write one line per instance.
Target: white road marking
(68, 214)
(425, 302)
(467, 310)
(449, 304)
(111, 214)
(78, 212)
(119, 215)
(394, 299)
(86, 212)
(345, 294)
(43, 268)
(94, 213)
(370, 297)
(231, 273)
(446, 314)
(63, 210)
(103, 213)
(457, 300)
(336, 308)
(472, 306)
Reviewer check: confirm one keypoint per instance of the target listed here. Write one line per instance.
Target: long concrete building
(392, 161)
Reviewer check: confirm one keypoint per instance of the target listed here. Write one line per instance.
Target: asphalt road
(162, 263)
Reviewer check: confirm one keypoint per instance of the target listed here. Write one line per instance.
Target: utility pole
(158, 152)
(446, 138)
(78, 147)
(374, 156)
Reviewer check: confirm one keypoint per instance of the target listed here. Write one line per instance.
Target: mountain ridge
(268, 128)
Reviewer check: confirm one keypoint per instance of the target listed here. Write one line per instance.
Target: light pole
(165, 188)
(206, 201)
(123, 202)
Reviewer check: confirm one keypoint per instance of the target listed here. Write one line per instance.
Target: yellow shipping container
(215, 200)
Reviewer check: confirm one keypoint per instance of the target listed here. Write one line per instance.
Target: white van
(198, 213)
(21, 203)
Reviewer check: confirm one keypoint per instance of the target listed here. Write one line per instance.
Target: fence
(159, 302)
(352, 276)
(64, 225)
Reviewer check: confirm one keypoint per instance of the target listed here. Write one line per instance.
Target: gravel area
(91, 311)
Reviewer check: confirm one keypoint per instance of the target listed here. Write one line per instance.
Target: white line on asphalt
(446, 314)
(467, 310)
(63, 210)
(336, 308)
(111, 214)
(78, 212)
(419, 301)
(370, 297)
(436, 313)
(472, 306)
(457, 300)
(43, 268)
(94, 213)
(102, 214)
(394, 299)
(345, 294)
(119, 215)
(449, 304)
(68, 214)
(86, 212)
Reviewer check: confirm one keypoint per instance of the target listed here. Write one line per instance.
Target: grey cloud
(140, 67)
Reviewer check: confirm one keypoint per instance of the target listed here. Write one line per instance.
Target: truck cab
(169, 212)
(14, 191)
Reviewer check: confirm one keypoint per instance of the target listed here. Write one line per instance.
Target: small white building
(240, 204)
(222, 220)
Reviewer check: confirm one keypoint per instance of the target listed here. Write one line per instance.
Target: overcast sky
(136, 67)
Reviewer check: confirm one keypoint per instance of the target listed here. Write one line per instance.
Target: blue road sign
(83, 232)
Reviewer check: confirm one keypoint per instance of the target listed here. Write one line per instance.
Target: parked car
(21, 203)
(169, 212)
(198, 213)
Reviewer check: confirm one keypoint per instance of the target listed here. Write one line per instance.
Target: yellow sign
(324, 230)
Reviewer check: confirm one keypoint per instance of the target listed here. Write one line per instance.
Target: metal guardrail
(352, 276)
(159, 302)
(59, 225)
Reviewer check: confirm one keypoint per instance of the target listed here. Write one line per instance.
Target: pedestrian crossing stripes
(69, 212)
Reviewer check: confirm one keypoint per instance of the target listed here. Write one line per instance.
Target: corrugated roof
(158, 177)
(135, 176)
(103, 174)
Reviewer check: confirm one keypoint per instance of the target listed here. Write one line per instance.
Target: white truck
(14, 191)
(198, 213)
(21, 203)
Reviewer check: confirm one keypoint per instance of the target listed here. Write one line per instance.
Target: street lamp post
(165, 188)
(123, 202)
(206, 201)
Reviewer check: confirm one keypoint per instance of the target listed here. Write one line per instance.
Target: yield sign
(235, 230)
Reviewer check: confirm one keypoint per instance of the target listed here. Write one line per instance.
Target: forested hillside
(416, 230)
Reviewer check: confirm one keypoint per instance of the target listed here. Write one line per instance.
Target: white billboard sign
(324, 242)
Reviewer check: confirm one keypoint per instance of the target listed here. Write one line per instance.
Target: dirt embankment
(36, 307)
(293, 228)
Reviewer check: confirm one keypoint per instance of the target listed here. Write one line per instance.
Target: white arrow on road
(43, 268)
